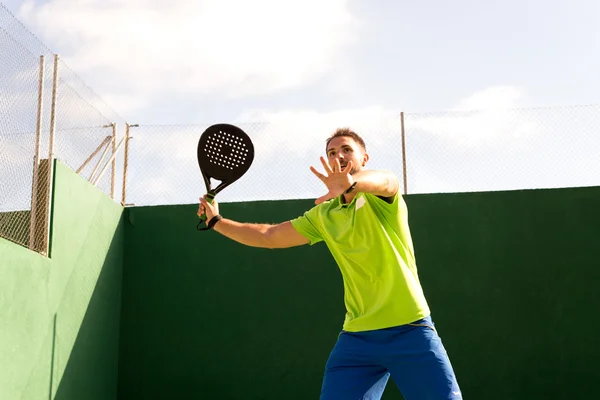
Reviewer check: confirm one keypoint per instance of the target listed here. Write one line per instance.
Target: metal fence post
(403, 133)
(36, 157)
(114, 161)
(126, 163)
(50, 164)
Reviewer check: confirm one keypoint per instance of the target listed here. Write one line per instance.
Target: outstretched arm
(378, 182)
(255, 235)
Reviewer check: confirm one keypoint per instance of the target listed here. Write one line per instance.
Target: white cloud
(484, 119)
(497, 97)
(233, 46)
(305, 131)
(125, 102)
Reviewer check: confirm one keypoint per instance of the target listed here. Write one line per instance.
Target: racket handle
(209, 197)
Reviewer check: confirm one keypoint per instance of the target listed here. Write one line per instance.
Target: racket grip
(209, 197)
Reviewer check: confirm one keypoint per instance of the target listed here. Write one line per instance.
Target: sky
(304, 68)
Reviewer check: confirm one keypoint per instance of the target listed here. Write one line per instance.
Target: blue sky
(321, 64)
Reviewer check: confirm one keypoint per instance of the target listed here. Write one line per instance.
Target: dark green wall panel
(204, 316)
(511, 278)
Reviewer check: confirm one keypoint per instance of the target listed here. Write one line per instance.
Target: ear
(365, 159)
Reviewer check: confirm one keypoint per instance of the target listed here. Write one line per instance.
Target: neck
(347, 198)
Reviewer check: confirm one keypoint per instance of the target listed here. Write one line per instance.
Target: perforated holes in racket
(213, 149)
(237, 150)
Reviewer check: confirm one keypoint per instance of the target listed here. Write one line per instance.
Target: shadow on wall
(91, 370)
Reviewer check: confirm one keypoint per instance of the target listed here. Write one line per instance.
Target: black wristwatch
(351, 188)
(213, 221)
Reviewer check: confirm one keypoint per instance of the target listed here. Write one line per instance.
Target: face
(346, 149)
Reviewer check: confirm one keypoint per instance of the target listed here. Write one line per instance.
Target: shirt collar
(339, 202)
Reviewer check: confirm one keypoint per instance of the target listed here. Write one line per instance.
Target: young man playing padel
(388, 329)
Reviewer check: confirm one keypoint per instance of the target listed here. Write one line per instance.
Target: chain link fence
(163, 167)
(488, 150)
(21, 75)
(46, 112)
(86, 126)
(457, 151)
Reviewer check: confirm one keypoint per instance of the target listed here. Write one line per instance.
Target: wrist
(214, 220)
(351, 188)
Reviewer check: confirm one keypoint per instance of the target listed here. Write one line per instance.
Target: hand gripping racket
(225, 153)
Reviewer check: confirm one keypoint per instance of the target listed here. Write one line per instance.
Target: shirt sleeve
(385, 207)
(309, 225)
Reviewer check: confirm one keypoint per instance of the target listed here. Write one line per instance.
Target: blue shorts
(361, 363)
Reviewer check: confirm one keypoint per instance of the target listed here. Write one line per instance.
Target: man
(388, 329)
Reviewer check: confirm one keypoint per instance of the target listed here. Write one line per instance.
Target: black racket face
(225, 153)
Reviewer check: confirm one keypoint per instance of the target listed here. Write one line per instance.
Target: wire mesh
(511, 149)
(455, 151)
(163, 167)
(19, 88)
(82, 122)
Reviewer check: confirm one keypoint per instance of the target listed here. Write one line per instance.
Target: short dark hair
(349, 133)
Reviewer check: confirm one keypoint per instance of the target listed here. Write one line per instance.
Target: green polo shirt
(370, 240)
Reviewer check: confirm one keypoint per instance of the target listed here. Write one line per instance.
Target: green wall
(59, 316)
(139, 304)
(511, 278)
(204, 317)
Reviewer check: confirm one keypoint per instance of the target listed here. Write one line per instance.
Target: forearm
(253, 235)
(379, 183)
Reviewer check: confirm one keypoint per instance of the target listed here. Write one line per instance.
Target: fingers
(326, 166)
(318, 174)
(205, 207)
(348, 167)
(336, 165)
(337, 168)
(201, 207)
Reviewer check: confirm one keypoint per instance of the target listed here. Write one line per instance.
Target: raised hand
(338, 179)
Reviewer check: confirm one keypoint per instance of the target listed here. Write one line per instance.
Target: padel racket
(225, 153)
